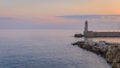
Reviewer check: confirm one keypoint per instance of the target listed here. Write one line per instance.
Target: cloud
(36, 23)
(91, 16)
(59, 22)
(6, 18)
(97, 22)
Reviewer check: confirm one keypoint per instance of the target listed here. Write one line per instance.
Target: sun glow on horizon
(45, 12)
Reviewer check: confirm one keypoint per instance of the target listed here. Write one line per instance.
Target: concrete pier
(88, 33)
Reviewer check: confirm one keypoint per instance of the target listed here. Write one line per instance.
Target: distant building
(88, 33)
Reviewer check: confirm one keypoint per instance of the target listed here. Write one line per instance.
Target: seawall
(101, 34)
(110, 52)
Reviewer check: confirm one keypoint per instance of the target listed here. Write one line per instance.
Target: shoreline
(109, 51)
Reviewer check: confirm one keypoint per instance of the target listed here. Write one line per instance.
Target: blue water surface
(44, 49)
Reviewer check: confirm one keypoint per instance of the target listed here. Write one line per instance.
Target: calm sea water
(44, 49)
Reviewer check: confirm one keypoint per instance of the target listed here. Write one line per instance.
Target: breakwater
(88, 33)
(109, 51)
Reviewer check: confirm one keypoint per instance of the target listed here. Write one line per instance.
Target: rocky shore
(109, 51)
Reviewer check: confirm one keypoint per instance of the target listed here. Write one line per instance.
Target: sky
(49, 14)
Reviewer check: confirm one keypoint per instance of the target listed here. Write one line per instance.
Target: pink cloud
(54, 20)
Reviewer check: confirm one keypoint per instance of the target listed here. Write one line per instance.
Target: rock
(78, 35)
(78, 43)
(116, 65)
(110, 52)
(113, 56)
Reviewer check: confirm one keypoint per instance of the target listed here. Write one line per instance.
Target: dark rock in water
(78, 35)
(110, 52)
(78, 43)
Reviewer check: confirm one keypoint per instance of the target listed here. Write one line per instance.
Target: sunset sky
(44, 13)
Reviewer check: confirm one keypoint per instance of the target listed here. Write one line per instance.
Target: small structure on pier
(88, 33)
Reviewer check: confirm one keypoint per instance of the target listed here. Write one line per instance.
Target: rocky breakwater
(110, 52)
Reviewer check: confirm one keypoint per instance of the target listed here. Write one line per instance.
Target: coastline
(108, 51)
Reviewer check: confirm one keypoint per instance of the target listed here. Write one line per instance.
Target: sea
(45, 49)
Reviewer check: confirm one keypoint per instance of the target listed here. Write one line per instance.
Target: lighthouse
(86, 26)
(86, 32)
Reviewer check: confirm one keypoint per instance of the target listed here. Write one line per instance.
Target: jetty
(110, 52)
(88, 33)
